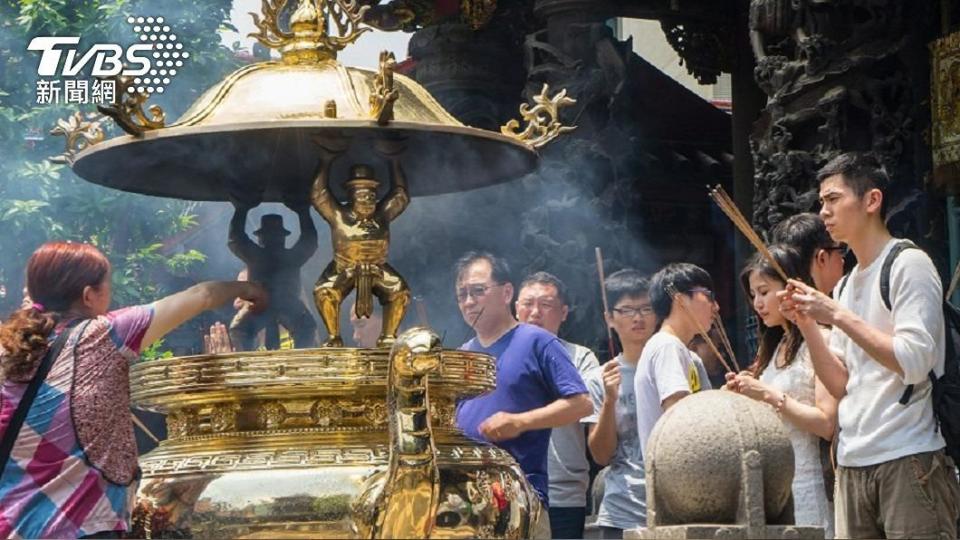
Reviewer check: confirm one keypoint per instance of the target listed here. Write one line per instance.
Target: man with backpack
(885, 352)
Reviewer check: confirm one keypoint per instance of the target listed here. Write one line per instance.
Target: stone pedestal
(720, 465)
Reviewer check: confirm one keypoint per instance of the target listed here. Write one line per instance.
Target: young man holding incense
(538, 387)
(543, 301)
(668, 371)
(893, 480)
(613, 439)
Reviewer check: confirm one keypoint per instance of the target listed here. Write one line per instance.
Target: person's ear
(89, 296)
(507, 292)
(874, 200)
(821, 256)
(564, 312)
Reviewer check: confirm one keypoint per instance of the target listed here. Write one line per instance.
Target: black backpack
(946, 388)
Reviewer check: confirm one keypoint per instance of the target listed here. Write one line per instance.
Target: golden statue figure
(360, 229)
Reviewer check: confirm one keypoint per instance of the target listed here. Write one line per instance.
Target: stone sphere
(696, 453)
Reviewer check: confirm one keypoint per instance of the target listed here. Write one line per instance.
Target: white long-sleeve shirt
(874, 426)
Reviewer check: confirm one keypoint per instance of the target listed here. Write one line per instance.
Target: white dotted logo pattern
(168, 54)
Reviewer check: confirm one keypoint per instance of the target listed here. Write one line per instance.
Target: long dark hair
(788, 259)
(57, 274)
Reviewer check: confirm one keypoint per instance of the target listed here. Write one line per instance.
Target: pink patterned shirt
(73, 470)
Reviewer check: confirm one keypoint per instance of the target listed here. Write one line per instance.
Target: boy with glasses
(668, 371)
(538, 387)
(613, 438)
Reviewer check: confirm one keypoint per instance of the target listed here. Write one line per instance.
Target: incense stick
(473, 324)
(674, 294)
(729, 208)
(725, 341)
(143, 427)
(603, 298)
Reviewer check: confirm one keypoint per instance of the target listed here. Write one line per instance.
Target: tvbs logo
(153, 61)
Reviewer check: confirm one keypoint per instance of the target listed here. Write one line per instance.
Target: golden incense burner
(303, 444)
(330, 442)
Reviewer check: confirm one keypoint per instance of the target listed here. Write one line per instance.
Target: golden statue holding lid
(361, 237)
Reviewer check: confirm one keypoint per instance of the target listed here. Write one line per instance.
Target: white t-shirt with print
(665, 368)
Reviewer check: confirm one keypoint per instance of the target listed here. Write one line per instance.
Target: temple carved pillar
(842, 75)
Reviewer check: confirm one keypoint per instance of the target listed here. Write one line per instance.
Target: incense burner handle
(402, 502)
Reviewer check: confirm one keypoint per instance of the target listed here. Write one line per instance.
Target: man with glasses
(668, 371)
(538, 387)
(613, 439)
(808, 235)
(543, 302)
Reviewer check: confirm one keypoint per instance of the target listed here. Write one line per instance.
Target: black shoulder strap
(20, 415)
(843, 285)
(888, 266)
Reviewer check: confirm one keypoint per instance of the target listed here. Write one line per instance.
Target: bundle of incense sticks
(672, 291)
(725, 341)
(726, 204)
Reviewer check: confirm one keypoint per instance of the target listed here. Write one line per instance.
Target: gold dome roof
(256, 129)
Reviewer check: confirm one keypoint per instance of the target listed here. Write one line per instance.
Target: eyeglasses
(841, 248)
(630, 311)
(707, 292)
(476, 291)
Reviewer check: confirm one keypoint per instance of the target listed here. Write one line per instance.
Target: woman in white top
(782, 375)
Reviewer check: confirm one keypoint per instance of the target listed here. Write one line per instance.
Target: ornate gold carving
(327, 413)
(442, 413)
(375, 412)
(127, 109)
(234, 461)
(223, 417)
(477, 13)
(271, 414)
(309, 39)
(81, 130)
(384, 94)
(182, 423)
(946, 110)
(543, 119)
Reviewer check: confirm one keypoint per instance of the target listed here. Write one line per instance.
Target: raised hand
(256, 296)
(611, 380)
(218, 340)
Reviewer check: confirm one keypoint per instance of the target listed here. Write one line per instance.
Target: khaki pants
(911, 497)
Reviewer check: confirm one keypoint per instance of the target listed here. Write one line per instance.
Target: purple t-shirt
(533, 370)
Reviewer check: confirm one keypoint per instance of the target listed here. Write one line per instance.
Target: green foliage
(42, 201)
(153, 352)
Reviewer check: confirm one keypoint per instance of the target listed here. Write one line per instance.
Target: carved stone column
(842, 76)
(477, 75)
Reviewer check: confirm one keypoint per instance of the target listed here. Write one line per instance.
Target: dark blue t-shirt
(533, 370)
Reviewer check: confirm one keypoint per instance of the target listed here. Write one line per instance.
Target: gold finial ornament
(543, 119)
(127, 109)
(309, 39)
(384, 94)
(81, 130)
